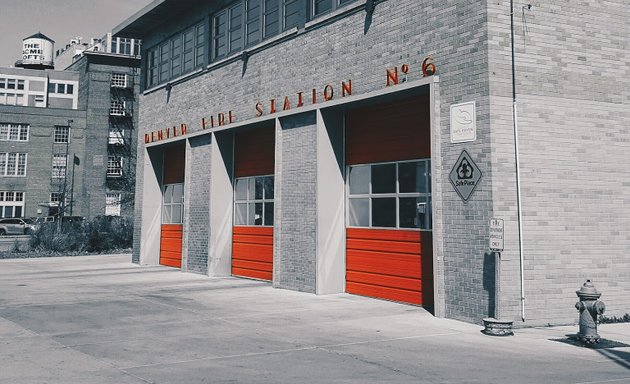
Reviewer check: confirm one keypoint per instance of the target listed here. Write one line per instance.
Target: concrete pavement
(101, 319)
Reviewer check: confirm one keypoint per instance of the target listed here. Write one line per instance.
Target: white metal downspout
(517, 166)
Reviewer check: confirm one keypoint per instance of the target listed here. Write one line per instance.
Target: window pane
(241, 189)
(269, 188)
(177, 213)
(8, 211)
(408, 212)
(251, 214)
(412, 177)
(359, 213)
(322, 6)
(166, 214)
(252, 17)
(360, 180)
(292, 14)
(258, 216)
(384, 212)
(384, 178)
(220, 35)
(168, 193)
(236, 28)
(272, 18)
(259, 188)
(241, 214)
(178, 193)
(268, 213)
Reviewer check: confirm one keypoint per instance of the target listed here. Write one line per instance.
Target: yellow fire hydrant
(589, 308)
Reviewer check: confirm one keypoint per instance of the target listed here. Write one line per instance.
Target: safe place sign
(465, 176)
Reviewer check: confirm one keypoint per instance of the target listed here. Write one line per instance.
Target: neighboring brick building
(311, 143)
(68, 135)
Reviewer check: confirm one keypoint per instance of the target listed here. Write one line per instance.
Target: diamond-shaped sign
(465, 176)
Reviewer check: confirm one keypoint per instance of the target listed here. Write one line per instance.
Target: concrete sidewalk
(101, 319)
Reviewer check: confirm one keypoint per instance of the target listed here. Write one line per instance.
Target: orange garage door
(252, 240)
(390, 263)
(172, 206)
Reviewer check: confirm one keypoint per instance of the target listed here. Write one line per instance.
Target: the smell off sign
(496, 235)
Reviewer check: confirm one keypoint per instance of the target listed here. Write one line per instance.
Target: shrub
(100, 234)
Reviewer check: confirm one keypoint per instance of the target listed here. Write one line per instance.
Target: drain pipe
(517, 166)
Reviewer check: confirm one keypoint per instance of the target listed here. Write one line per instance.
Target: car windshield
(29, 221)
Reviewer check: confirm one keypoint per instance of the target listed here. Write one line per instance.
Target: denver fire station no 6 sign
(465, 176)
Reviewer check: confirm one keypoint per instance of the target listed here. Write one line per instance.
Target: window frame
(161, 57)
(118, 80)
(397, 195)
(13, 160)
(114, 166)
(22, 132)
(249, 202)
(58, 137)
(113, 203)
(58, 169)
(170, 205)
(16, 203)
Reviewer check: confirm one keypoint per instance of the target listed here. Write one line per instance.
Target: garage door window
(173, 204)
(390, 195)
(253, 201)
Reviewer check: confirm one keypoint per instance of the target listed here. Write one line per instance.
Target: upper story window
(12, 164)
(320, 7)
(61, 88)
(247, 22)
(62, 134)
(119, 80)
(114, 166)
(11, 84)
(176, 56)
(13, 132)
(119, 108)
(59, 165)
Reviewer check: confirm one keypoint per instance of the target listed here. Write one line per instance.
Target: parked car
(17, 226)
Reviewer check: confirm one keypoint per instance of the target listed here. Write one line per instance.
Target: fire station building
(333, 146)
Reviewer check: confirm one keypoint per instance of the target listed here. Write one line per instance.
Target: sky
(60, 20)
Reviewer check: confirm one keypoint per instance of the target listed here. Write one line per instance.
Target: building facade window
(173, 204)
(118, 108)
(320, 7)
(119, 80)
(59, 165)
(14, 132)
(253, 201)
(62, 134)
(116, 137)
(61, 88)
(390, 195)
(112, 204)
(248, 22)
(11, 204)
(13, 164)
(177, 56)
(114, 166)
(55, 198)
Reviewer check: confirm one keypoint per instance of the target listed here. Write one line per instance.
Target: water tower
(37, 52)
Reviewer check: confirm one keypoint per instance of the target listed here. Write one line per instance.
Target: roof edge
(120, 28)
